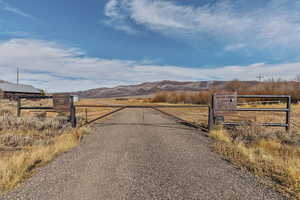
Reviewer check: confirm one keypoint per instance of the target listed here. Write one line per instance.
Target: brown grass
(31, 141)
(17, 166)
(275, 155)
(203, 97)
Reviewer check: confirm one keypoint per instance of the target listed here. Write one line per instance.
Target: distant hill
(149, 88)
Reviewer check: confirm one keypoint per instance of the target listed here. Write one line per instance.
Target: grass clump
(273, 154)
(29, 142)
(15, 166)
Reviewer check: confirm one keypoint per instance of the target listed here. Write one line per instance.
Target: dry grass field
(31, 141)
(268, 153)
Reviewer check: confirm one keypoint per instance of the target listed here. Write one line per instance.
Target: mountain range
(150, 88)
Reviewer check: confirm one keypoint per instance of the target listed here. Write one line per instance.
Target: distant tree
(43, 92)
(236, 85)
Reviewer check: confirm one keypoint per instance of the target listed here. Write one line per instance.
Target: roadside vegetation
(31, 141)
(265, 152)
(203, 97)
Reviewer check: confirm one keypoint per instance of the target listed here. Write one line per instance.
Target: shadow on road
(163, 125)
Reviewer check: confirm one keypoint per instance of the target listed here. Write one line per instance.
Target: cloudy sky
(69, 45)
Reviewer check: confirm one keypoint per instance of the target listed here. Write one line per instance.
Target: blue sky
(64, 45)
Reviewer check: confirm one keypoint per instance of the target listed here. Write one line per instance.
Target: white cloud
(5, 6)
(54, 67)
(277, 23)
(234, 47)
(117, 20)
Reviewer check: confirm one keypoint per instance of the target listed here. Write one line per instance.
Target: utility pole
(260, 77)
(18, 76)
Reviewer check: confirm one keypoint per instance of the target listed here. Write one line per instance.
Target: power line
(260, 77)
(18, 76)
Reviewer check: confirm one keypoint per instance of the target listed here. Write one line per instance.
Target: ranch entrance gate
(220, 106)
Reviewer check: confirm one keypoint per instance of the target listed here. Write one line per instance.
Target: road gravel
(142, 154)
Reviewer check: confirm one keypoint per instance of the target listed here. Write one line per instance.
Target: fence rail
(258, 102)
(262, 124)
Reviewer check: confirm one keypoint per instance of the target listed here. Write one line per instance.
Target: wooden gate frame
(287, 110)
(72, 109)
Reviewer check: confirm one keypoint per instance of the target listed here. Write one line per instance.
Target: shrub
(203, 97)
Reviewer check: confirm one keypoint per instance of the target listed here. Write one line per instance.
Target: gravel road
(141, 154)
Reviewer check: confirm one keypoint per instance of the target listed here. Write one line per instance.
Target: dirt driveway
(141, 154)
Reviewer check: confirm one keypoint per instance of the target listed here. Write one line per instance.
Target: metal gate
(224, 103)
(154, 107)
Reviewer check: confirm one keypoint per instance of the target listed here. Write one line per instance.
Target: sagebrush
(30, 141)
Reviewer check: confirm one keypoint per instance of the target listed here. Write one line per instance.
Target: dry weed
(32, 140)
(266, 153)
(19, 165)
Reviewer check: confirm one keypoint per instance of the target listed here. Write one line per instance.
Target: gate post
(18, 106)
(213, 109)
(211, 115)
(288, 113)
(210, 118)
(86, 115)
(73, 113)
